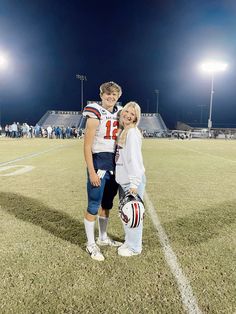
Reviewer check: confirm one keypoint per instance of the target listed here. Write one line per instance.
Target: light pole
(212, 67)
(157, 93)
(211, 101)
(147, 105)
(82, 78)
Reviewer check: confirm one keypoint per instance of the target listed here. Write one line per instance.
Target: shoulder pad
(92, 111)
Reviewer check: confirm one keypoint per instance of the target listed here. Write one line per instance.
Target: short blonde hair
(109, 87)
(123, 134)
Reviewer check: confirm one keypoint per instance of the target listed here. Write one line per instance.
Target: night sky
(141, 45)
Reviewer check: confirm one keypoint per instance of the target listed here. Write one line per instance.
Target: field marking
(31, 155)
(23, 169)
(203, 153)
(188, 299)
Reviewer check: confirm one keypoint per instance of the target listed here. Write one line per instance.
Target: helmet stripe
(139, 216)
(131, 226)
(136, 214)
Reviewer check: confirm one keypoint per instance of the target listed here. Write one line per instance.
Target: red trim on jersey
(93, 110)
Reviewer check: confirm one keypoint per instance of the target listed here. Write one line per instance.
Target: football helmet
(131, 209)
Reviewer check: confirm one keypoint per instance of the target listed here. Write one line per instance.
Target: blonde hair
(109, 87)
(123, 134)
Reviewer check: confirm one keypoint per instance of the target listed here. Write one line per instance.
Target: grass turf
(45, 268)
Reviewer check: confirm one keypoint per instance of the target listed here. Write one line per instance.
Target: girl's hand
(133, 191)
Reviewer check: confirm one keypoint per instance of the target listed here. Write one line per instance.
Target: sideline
(188, 299)
(32, 155)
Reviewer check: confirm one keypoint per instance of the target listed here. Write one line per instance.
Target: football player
(99, 152)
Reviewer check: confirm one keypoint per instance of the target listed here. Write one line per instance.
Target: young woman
(130, 172)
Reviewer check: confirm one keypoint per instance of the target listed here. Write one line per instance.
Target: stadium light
(82, 78)
(212, 67)
(3, 61)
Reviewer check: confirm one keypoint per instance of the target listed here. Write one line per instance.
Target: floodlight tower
(82, 78)
(212, 67)
(157, 93)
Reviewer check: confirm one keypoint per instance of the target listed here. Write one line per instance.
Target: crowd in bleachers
(17, 130)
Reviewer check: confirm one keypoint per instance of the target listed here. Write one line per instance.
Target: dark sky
(142, 45)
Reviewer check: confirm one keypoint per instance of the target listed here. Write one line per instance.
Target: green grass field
(44, 267)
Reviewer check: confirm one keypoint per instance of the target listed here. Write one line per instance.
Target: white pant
(133, 236)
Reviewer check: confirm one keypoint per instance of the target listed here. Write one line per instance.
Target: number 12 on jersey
(111, 130)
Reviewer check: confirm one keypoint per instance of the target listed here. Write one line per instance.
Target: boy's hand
(94, 179)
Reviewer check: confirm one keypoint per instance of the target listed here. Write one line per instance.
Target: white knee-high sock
(102, 227)
(89, 229)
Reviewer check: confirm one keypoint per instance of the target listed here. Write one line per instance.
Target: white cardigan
(129, 160)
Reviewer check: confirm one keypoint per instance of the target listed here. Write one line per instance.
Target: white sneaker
(94, 252)
(125, 251)
(108, 241)
(123, 246)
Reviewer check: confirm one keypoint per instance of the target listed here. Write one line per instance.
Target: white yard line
(23, 169)
(30, 156)
(188, 299)
(203, 153)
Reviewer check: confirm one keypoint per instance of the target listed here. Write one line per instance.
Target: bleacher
(60, 118)
(151, 124)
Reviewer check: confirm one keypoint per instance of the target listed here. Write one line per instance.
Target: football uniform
(103, 147)
(103, 153)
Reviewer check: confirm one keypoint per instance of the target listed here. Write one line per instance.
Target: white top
(129, 160)
(106, 133)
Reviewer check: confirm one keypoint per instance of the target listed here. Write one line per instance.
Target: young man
(99, 151)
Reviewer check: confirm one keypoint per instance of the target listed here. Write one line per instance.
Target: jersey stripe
(93, 110)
